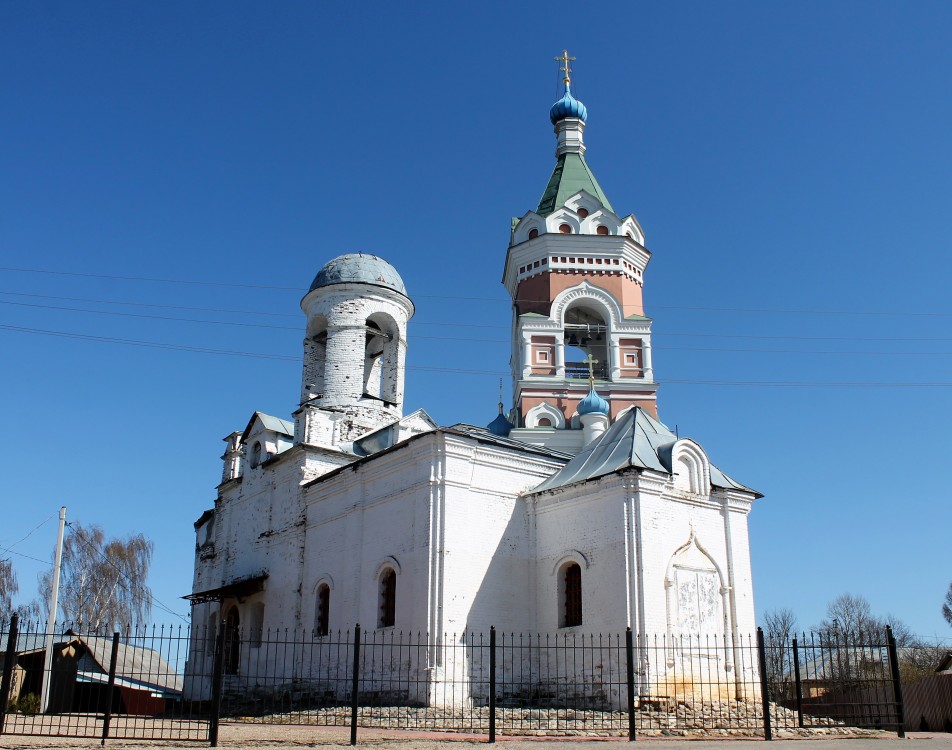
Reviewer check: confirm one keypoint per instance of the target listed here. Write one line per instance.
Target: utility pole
(51, 621)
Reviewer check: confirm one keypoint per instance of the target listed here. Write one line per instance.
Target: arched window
(388, 598)
(381, 358)
(255, 455)
(322, 614)
(533, 233)
(586, 336)
(570, 588)
(565, 229)
(602, 229)
(315, 359)
(544, 422)
(583, 212)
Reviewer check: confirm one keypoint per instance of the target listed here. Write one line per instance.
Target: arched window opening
(571, 599)
(256, 455)
(586, 337)
(388, 599)
(322, 615)
(565, 229)
(533, 233)
(232, 641)
(373, 351)
(315, 359)
(602, 229)
(544, 422)
(381, 359)
(582, 212)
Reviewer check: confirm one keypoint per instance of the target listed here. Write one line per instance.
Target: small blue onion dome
(593, 404)
(360, 268)
(500, 425)
(567, 106)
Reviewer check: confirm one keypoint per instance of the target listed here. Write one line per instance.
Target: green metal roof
(571, 174)
(635, 440)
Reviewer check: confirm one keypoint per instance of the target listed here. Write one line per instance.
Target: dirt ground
(273, 737)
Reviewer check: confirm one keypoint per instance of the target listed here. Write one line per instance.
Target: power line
(111, 564)
(154, 279)
(231, 311)
(813, 383)
(114, 313)
(149, 304)
(148, 344)
(449, 324)
(469, 371)
(28, 557)
(32, 532)
(503, 300)
(467, 339)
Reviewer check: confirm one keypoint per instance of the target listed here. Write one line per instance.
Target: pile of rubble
(658, 718)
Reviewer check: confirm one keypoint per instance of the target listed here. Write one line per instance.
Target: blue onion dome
(568, 106)
(360, 268)
(593, 404)
(500, 426)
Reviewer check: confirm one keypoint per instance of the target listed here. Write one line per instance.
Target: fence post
(492, 683)
(630, 672)
(764, 694)
(107, 716)
(897, 683)
(799, 685)
(355, 687)
(8, 662)
(218, 670)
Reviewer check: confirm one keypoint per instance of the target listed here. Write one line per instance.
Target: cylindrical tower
(354, 352)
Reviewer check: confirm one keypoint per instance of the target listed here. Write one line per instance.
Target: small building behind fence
(145, 684)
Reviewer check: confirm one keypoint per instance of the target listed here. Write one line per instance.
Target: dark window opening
(388, 599)
(322, 624)
(572, 614)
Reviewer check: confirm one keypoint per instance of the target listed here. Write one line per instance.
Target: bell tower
(354, 350)
(575, 272)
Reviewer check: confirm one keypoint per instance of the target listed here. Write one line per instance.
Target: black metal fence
(172, 684)
(81, 683)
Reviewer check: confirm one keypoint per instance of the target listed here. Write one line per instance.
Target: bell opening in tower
(586, 341)
(380, 356)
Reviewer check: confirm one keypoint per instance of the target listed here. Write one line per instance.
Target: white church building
(576, 511)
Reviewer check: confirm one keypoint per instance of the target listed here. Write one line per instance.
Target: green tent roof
(571, 174)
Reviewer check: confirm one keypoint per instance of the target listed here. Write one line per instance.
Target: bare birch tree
(8, 587)
(103, 583)
(947, 606)
(779, 631)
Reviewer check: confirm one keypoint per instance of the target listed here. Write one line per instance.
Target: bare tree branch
(103, 581)
(947, 606)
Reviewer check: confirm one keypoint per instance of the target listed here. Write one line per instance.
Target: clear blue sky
(789, 162)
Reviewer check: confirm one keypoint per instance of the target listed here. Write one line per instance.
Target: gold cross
(591, 362)
(565, 60)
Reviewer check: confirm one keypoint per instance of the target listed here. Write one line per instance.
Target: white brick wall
(471, 550)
